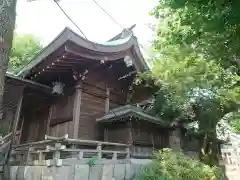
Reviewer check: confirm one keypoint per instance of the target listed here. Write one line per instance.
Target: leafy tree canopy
(210, 27)
(197, 71)
(24, 48)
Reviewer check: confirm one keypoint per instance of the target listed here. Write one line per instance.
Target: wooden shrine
(81, 89)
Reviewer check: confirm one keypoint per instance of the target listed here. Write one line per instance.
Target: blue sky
(43, 19)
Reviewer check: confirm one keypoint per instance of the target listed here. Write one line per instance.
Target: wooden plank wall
(93, 105)
(35, 122)
(12, 93)
(149, 134)
(117, 132)
(61, 116)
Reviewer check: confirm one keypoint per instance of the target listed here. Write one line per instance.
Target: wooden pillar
(107, 102)
(49, 119)
(130, 140)
(152, 140)
(16, 118)
(14, 127)
(76, 109)
(130, 147)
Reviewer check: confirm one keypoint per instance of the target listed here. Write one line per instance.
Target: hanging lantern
(128, 61)
(58, 88)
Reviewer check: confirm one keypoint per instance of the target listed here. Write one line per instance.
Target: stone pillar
(76, 110)
(175, 139)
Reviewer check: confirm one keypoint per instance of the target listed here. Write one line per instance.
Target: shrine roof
(129, 110)
(27, 83)
(68, 44)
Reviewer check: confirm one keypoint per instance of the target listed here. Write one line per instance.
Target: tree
(7, 16)
(23, 49)
(196, 79)
(193, 89)
(211, 27)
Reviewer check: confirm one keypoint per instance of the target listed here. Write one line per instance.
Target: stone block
(107, 172)
(138, 168)
(13, 172)
(33, 173)
(46, 173)
(59, 173)
(130, 172)
(81, 172)
(21, 172)
(119, 171)
(95, 172)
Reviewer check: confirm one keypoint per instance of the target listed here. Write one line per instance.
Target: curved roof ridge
(69, 35)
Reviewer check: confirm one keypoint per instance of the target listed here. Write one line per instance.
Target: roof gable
(127, 45)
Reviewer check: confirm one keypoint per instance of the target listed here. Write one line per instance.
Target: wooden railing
(4, 147)
(53, 150)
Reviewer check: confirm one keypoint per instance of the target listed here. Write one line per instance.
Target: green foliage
(211, 27)
(197, 70)
(92, 161)
(234, 121)
(24, 48)
(176, 166)
(235, 124)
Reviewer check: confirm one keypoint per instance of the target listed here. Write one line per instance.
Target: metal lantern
(58, 88)
(128, 61)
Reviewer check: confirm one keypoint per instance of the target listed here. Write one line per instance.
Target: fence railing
(55, 149)
(4, 147)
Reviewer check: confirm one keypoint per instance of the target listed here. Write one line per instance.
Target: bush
(176, 166)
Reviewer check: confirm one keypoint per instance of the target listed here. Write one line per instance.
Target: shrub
(168, 165)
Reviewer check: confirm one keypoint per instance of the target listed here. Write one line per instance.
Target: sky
(44, 20)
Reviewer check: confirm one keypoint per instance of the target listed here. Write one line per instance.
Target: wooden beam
(17, 117)
(49, 119)
(76, 109)
(14, 126)
(107, 100)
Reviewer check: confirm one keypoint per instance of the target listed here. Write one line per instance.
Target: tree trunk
(7, 25)
(209, 149)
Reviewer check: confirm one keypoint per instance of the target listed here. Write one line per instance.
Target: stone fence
(101, 170)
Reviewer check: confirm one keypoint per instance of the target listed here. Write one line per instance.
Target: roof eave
(131, 111)
(68, 35)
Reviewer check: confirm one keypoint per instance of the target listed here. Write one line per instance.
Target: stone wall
(105, 171)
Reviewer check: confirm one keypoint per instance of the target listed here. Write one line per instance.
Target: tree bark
(7, 25)
(209, 149)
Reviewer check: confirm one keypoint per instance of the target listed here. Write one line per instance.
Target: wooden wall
(35, 125)
(61, 114)
(117, 132)
(145, 137)
(12, 94)
(60, 111)
(35, 111)
(93, 104)
(147, 133)
(148, 137)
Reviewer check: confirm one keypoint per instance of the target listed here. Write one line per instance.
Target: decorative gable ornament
(128, 61)
(78, 76)
(58, 88)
